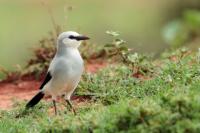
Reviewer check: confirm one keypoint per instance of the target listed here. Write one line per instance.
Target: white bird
(64, 72)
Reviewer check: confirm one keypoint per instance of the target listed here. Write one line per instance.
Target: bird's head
(71, 39)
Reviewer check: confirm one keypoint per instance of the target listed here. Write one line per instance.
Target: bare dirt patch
(22, 90)
(93, 65)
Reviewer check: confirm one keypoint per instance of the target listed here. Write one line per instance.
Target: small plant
(92, 51)
(140, 64)
(117, 47)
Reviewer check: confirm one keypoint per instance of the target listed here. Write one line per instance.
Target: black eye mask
(79, 38)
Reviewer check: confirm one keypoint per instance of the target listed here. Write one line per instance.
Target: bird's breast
(67, 67)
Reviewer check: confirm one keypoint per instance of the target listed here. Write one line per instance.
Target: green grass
(168, 102)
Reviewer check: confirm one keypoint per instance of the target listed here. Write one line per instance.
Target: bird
(64, 72)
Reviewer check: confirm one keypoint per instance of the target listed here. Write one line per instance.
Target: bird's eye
(72, 37)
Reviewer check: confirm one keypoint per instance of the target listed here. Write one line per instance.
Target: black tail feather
(35, 100)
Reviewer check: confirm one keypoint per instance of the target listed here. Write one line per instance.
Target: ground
(149, 96)
(22, 90)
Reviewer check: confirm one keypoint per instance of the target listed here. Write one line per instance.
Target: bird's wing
(46, 80)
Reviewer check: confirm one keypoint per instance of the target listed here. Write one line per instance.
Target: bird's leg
(70, 105)
(54, 104)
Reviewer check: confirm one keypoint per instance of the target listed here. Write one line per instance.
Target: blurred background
(147, 26)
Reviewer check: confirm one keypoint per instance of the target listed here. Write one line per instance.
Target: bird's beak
(79, 38)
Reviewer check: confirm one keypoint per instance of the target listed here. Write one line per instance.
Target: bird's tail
(35, 100)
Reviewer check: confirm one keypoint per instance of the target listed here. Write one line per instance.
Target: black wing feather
(35, 100)
(46, 80)
(40, 94)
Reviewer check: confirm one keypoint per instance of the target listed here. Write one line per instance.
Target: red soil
(23, 90)
(26, 89)
(93, 66)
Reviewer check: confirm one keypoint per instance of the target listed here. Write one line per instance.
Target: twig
(49, 10)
